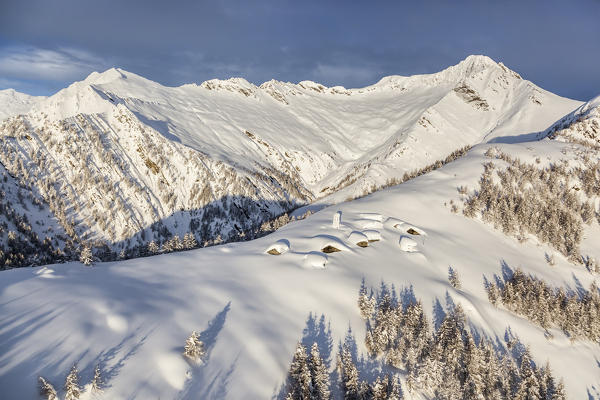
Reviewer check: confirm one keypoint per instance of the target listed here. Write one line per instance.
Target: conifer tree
(189, 241)
(529, 388)
(72, 389)
(380, 388)
(349, 381)
(319, 375)
(153, 247)
(299, 376)
(97, 382)
(453, 278)
(473, 386)
(85, 256)
(47, 390)
(366, 302)
(194, 348)
(559, 393)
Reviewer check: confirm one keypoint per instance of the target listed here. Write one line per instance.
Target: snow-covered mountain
(14, 103)
(121, 160)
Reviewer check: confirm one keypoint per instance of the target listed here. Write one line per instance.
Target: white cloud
(31, 63)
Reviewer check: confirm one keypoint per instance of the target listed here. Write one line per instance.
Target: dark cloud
(47, 44)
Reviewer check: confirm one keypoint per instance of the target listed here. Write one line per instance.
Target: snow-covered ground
(133, 317)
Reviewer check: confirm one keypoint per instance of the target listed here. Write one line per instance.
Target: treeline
(546, 202)
(349, 179)
(444, 361)
(576, 314)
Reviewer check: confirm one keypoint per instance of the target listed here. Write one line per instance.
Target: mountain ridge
(117, 148)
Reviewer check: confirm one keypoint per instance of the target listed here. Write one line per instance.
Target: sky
(47, 44)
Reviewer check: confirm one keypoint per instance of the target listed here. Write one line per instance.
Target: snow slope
(581, 126)
(14, 103)
(131, 160)
(132, 317)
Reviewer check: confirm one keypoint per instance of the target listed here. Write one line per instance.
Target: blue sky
(47, 44)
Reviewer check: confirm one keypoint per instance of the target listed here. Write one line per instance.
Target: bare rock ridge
(119, 161)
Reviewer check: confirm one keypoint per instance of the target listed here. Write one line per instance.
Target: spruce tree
(189, 241)
(319, 375)
(473, 385)
(559, 393)
(366, 302)
(453, 278)
(194, 348)
(47, 390)
(153, 247)
(97, 382)
(529, 388)
(72, 389)
(380, 388)
(349, 381)
(299, 376)
(85, 256)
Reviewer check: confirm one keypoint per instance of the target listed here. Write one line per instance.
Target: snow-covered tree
(72, 388)
(453, 278)
(349, 380)
(299, 385)
(177, 243)
(366, 302)
(85, 255)
(194, 348)
(319, 375)
(386, 388)
(189, 241)
(529, 200)
(153, 247)
(97, 382)
(529, 388)
(544, 305)
(559, 393)
(47, 390)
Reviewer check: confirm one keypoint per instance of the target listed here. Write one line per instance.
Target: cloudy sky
(47, 44)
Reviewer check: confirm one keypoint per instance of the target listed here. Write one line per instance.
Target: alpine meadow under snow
(433, 237)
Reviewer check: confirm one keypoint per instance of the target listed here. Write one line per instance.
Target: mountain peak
(110, 75)
(474, 64)
(478, 59)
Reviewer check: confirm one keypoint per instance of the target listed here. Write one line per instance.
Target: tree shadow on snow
(320, 333)
(201, 385)
(438, 314)
(593, 393)
(209, 335)
(108, 357)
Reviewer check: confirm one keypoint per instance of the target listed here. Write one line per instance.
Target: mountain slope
(581, 126)
(14, 103)
(132, 317)
(122, 160)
